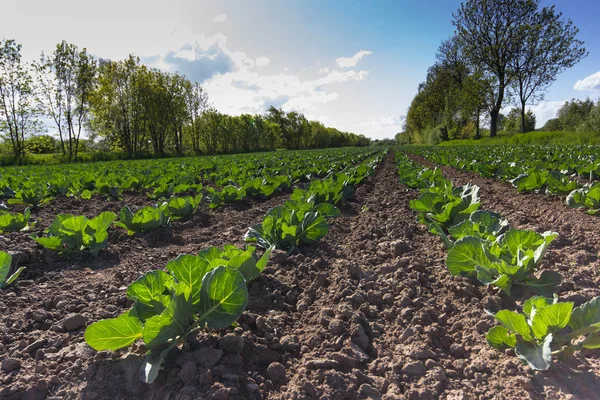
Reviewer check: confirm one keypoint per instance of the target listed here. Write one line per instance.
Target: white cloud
(220, 18)
(344, 62)
(235, 86)
(379, 122)
(201, 59)
(262, 61)
(245, 90)
(544, 111)
(323, 70)
(589, 83)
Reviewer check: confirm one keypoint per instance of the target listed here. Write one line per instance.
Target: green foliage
(552, 125)
(244, 261)
(183, 207)
(294, 224)
(573, 114)
(40, 144)
(485, 225)
(31, 193)
(197, 292)
(5, 265)
(256, 175)
(538, 138)
(18, 112)
(229, 194)
(535, 46)
(146, 219)
(70, 234)
(415, 176)
(512, 122)
(511, 259)
(530, 169)
(481, 245)
(545, 328)
(14, 222)
(586, 197)
(592, 122)
(446, 206)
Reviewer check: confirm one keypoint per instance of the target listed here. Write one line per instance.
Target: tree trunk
(477, 130)
(494, 122)
(523, 117)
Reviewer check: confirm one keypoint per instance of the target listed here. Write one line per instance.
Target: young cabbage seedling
(10, 222)
(145, 219)
(204, 291)
(73, 234)
(5, 277)
(547, 327)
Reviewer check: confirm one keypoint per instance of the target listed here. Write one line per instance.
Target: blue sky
(353, 65)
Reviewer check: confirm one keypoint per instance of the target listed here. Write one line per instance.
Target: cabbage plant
(73, 234)
(6, 278)
(14, 222)
(145, 219)
(193, 294)
(546, 328)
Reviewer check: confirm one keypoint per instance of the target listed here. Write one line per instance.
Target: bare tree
(17, 109)
(491, 33)
(549, 46)
(65, 85)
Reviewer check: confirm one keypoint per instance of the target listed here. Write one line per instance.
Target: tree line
(502, 52)
(576, 116)
(134, 109)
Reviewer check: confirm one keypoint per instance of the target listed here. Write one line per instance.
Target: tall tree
(491, 34)
(65, 91)
(196, 100)
(117, 107)
(49, 96)
(66, 81)
(549, 46)
(17, 106)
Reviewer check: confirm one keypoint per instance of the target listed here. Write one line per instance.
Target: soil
(370, 311)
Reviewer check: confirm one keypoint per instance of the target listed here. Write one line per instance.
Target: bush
(435, 135)
(44, 144)
(552, 125)
(468, 131)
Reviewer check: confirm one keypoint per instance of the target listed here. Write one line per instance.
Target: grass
(45, 159)
(531, 138)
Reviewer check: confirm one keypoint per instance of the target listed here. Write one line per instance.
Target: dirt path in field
(380, 316)
(368, 312)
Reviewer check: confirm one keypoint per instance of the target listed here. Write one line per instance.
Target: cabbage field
(371, 273)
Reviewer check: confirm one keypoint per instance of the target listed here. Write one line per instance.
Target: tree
(574, 114)
(196, 100)
(66, 82)
(476, 98)
(119, 104)
(512, 122)
(592, 123)
(277, 115)
(17, 107)
(552, 125)
(549, 46)
(490, 33)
